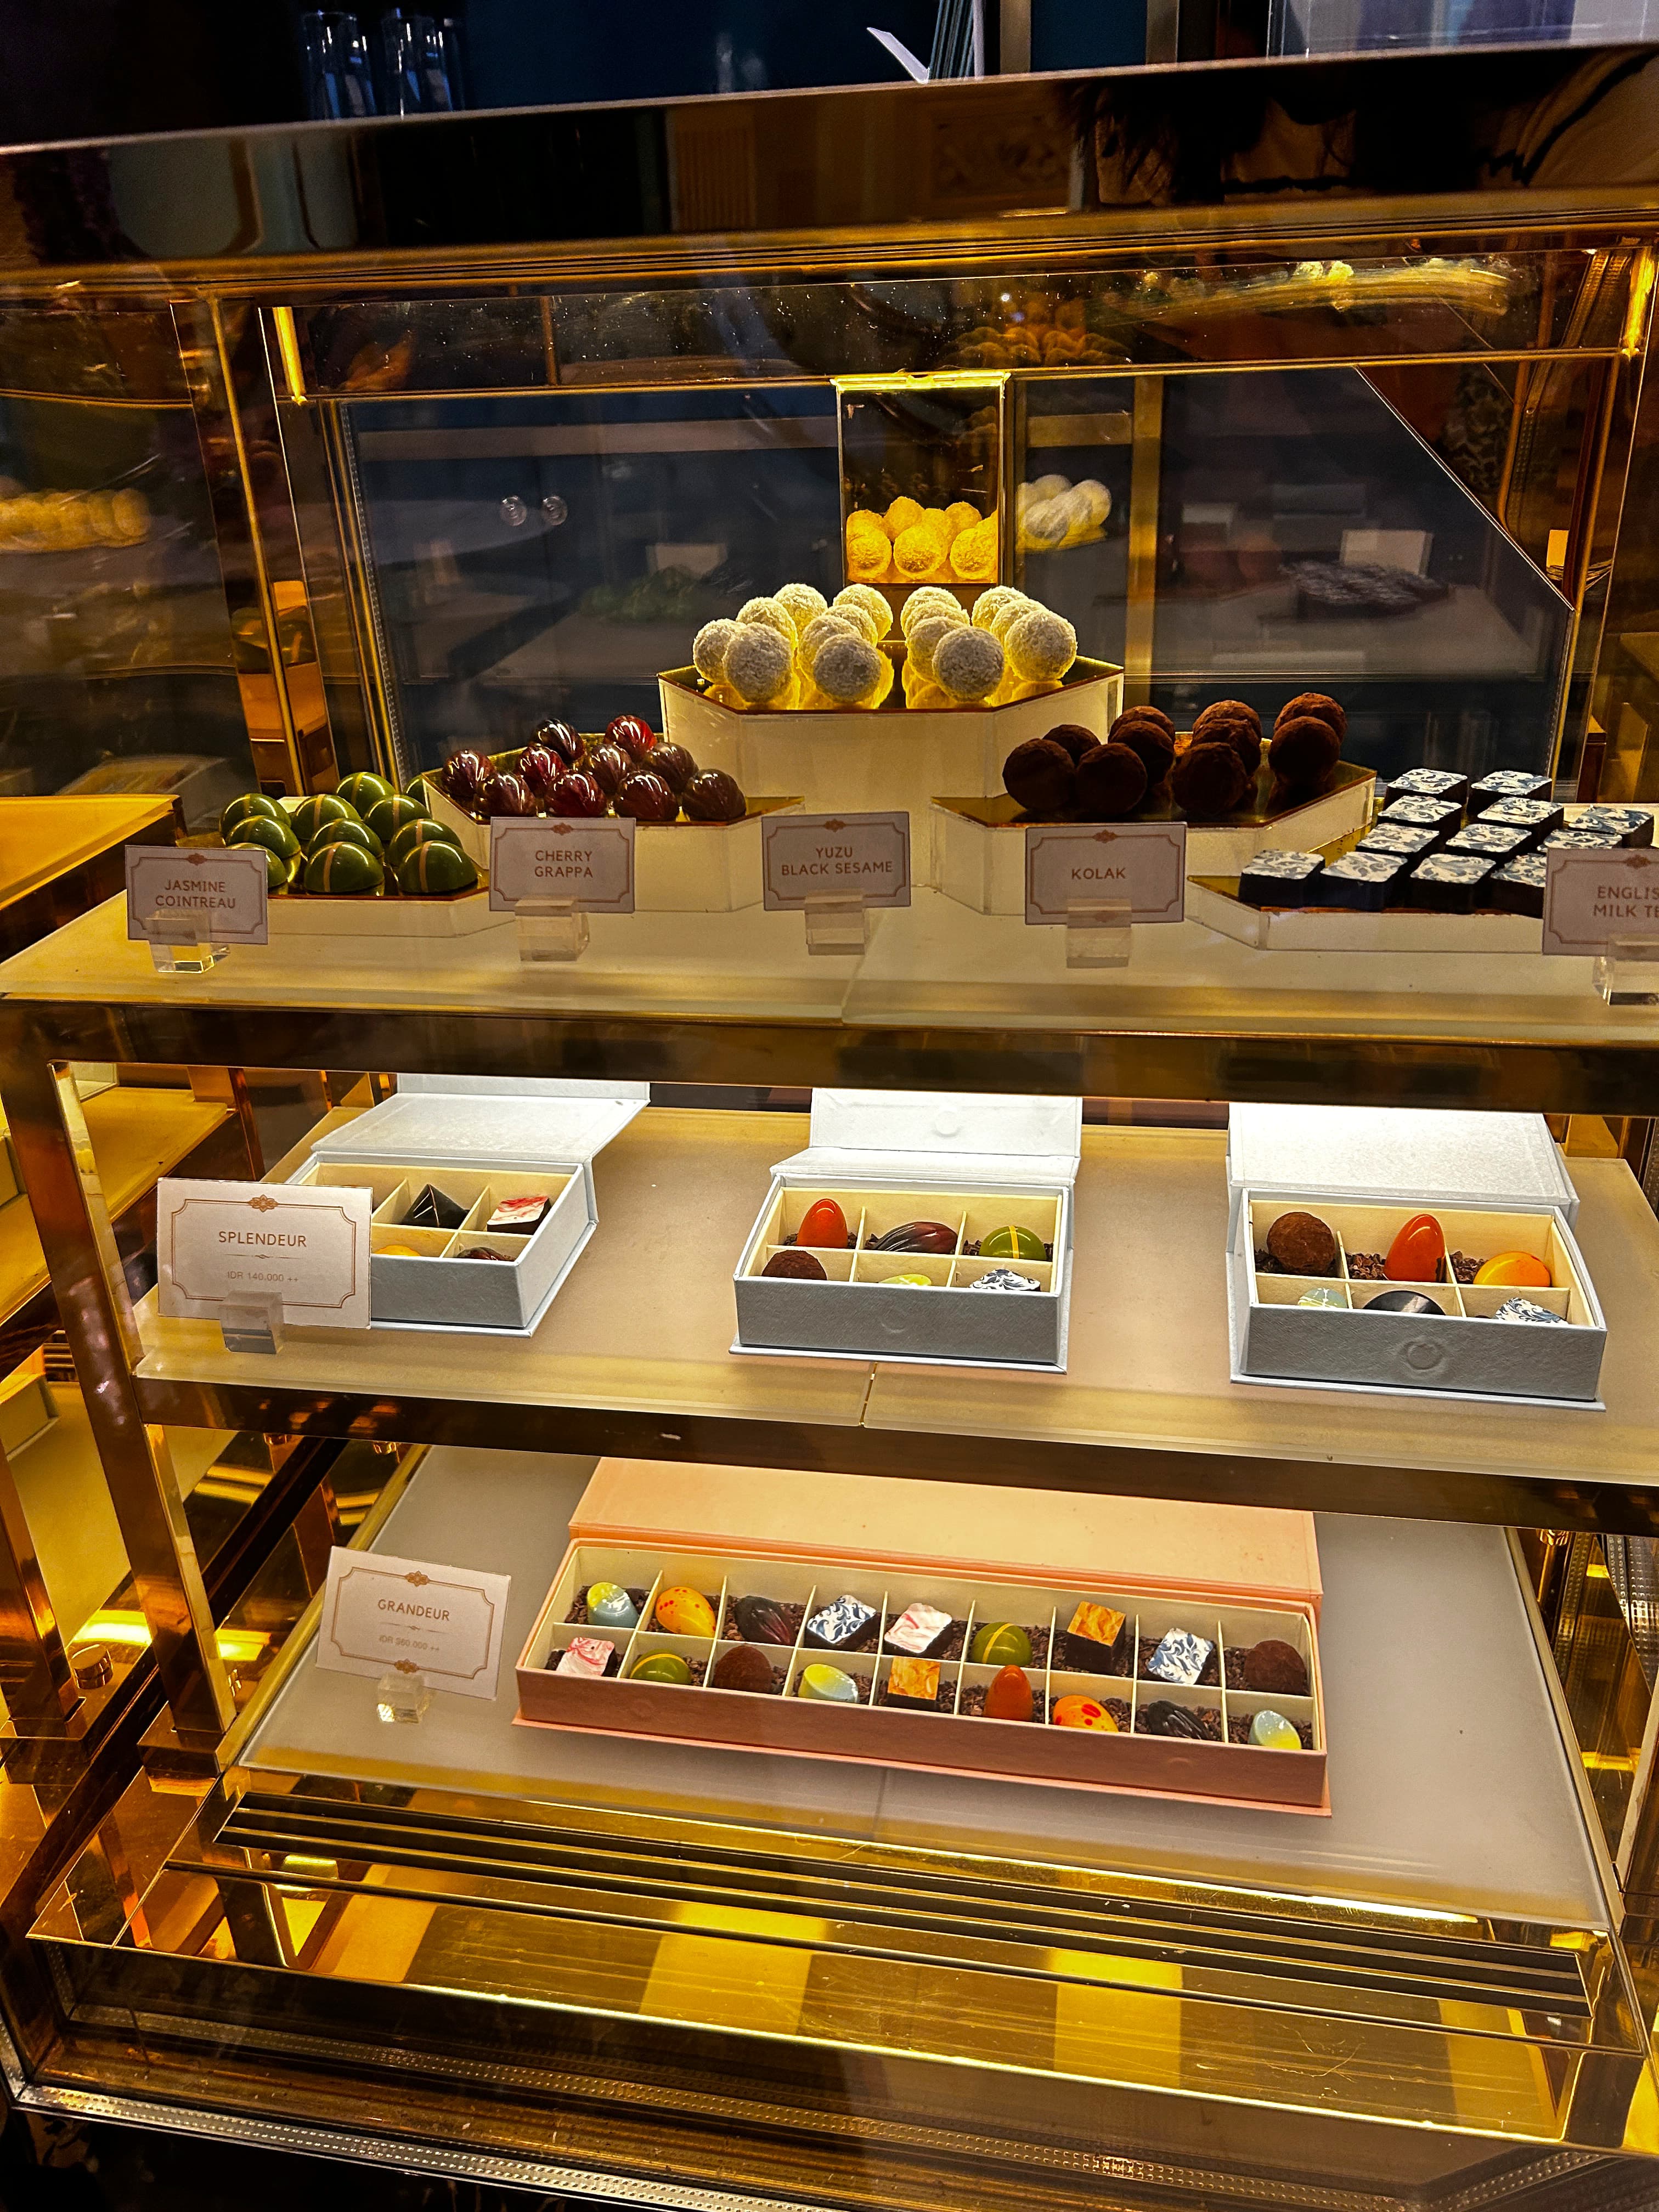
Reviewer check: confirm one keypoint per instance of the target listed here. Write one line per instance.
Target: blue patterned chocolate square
(839, 1625)
(1180, 1658)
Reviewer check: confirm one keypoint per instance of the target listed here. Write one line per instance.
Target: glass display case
(791, 662)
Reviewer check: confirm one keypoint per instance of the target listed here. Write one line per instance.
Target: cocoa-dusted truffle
(1304, 752)
(1276, 1668)
(1303, 1244)
(1320, 705)
(1076, 739)
(744, 1667)
(1220, 711)
(1146, 713)
(1229, 721)
(713, 796)
(1111, 782)
(1147, 738)
(796, 1263)
(1208, 780)
(1039, 776)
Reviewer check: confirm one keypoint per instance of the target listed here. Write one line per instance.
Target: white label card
(1591, 896)
(865, 856)
(1139, 867)
(552, 856)
(408, 1617)
(192, 895)
(244, 1243)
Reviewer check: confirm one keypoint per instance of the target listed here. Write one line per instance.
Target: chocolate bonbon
(576, 796)
(681, 1611)
(744, 1667)
(587, 1656)
(1276, 1668)
(609, 1606)
(1094, 1635)
(1271, 1731)
(713, 796)
(1040, 775)
(646, 797)
(1448, 883)
(1303, 1244)
(934, 1236)
(1110, 782)
(1163, 1716)
(1083, 1713)
(1282, 878)
(248, 805)
(1514, 1271)
(663, 1667)
(1180, 1656)
(1304, 752)
(1012, 1242)
(1417, 1251)
(1367, 881)
(828, 1685)
(792, 1265)
(633, 733)
(1402, 1301)
(763, 1620)
(1519, 1309)
(1001, 1644)
(463, 777)
(517, 1217)
(1004, 1279)
(432, 1208)
(1008, 1696)
(823, 1223)
(920, 1629)
(915, 1683)
(343, 872)
(1208, 780)
(838, 1625)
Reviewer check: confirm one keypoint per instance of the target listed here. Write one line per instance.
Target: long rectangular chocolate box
(1173, 1736)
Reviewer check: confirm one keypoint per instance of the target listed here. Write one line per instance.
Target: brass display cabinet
(479, 420)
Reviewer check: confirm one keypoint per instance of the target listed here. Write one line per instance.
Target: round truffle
(673, 764)
(1147, 713)
(1304, 752)
(1208, 780)
(992, 601)
(917, 551)
(1229, 725)
(903, 514)
(1076, 739)
(1007, 615)
(1276, 1668)
(646, 797)
(793, 1261)
(1041, 645)
(1155, 747)
(973, 553)
(802, 602)
(1044, 524)
(1226, 711)
(967, 663)
(836, 621)
(1039, 776)
(709, 648)
(859, 619)
(1303, 1244)
(1320, 705)
(1111, 782)
(847, 669)
(769, 614)
(924, 640)
(713, 796)
(759, 664)
(873, 602)
(608, 765)
(744, 1667)
(927, 599)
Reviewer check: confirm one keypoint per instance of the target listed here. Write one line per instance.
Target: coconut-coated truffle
(990, 601)
(967, 663)
(1304, 752)
(847, 668)
(1038, 775)
(835, 621)
(857, 618)
(1208, 780)
(709, 648)
(926, 599)
(759, 662)
(873, 602)
(1320, 705)
(1008, 614)
(770, 612)
(925, 637)
(1040, 644)
(1111, 782)
(802, 602)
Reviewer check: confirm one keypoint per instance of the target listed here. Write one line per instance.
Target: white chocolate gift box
(1464, 1350)
(973, 1162)
(480, 1140)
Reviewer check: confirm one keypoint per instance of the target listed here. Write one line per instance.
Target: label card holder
(190, 904)
(405, 1623)
(551, 873)
(1096, 880)
(253, 1255)
(1605, 905)
(835, 870)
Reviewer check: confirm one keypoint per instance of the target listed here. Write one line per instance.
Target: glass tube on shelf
(339, 86)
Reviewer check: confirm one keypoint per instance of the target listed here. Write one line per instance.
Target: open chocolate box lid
(1509, 1162)
(1258, 1554)
(539, 1120)
(899, 1136)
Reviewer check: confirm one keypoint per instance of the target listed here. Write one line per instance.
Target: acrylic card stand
(1219, 1761)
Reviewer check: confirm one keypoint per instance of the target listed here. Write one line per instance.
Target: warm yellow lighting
(1610, 1762)
(1595, 1573)
(1641, 289)
(239, 1646)
(287, 345)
